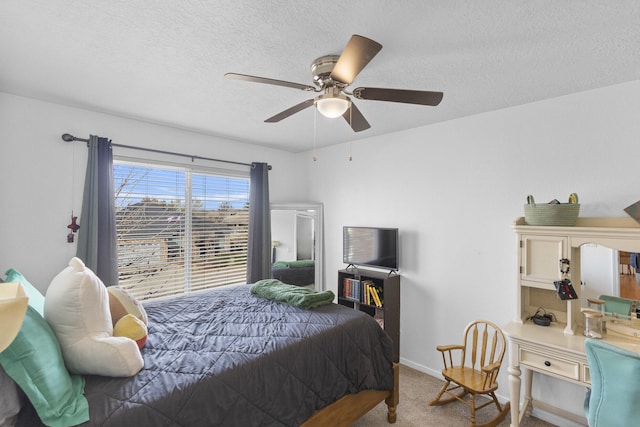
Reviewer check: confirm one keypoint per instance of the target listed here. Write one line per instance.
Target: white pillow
(77, 309)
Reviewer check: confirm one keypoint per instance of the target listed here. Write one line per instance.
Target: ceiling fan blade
(355, 56)
(255, 79)
(355, 119)
(399, 95)
(290, 111)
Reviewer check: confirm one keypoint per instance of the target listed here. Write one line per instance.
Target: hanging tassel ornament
(73, 227)
(350, 125)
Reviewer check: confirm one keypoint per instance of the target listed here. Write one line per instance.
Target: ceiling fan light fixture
(332, 104)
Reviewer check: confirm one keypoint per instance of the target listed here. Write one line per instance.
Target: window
(179, 229)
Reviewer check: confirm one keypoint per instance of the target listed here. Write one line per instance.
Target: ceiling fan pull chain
(350, 140)
(315, 131)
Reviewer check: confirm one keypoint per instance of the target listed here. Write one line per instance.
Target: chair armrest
(490, 372)
(444, 348)
(448, 349)
(490, 368)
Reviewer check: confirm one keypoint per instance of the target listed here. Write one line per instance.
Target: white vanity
(557, 350)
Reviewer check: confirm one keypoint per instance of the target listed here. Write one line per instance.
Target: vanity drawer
(550, 364)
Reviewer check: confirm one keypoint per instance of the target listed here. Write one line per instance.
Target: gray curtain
(259, 245)
(97, 234)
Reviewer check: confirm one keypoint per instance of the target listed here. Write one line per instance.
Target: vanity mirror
(609, 279)
(608, 271)
(297, 243)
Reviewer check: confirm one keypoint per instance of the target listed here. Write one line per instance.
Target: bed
(226, 357)
(301, 272)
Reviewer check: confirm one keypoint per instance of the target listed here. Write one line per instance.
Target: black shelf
(388, 286)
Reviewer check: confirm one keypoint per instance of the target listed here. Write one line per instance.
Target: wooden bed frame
(348, 409)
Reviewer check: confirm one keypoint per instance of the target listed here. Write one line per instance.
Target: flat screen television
(370, 246)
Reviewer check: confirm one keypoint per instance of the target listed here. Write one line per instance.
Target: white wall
(40, 184)
(455, 188)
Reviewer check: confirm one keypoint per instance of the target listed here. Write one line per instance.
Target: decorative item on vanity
(552, 213)
(593, 321)
(596, 304)
(564, 288)
(542, 318)
(595, 324)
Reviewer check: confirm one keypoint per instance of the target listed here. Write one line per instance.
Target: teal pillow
(36, 299)
(35, 363)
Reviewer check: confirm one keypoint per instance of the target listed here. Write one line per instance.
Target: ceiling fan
(332, 74)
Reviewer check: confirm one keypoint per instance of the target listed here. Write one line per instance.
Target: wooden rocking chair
(482, 349)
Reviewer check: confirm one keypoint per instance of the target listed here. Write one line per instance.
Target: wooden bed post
(394, 396)
(348, 409)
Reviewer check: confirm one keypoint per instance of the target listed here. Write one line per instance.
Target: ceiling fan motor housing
(321, 69)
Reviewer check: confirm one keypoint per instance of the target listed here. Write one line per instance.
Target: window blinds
(178, 229)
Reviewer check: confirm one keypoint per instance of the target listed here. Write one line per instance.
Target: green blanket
(296, 296)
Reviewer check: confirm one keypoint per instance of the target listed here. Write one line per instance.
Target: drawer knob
(547, 363)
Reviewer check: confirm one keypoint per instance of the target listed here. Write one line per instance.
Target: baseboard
(419, 367)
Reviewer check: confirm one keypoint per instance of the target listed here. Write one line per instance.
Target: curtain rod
(70, 138)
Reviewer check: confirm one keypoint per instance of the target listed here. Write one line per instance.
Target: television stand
(354, 286)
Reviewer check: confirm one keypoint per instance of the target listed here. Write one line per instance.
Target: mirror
(606, 271)
(297, 244)
(629, 276)
(610, 286)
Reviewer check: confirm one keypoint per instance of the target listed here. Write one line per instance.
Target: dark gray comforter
(226, 357)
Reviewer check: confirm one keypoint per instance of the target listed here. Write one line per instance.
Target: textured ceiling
(164, 61)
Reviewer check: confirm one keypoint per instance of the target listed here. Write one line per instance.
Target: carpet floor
(416, 390)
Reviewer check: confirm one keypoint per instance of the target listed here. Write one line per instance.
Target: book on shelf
(366, 294)
(351, 289)
(363, 291)
(375, 295)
